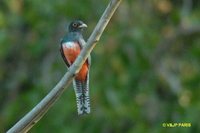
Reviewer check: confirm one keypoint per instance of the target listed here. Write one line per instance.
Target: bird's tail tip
(83, 107)
(84, 112)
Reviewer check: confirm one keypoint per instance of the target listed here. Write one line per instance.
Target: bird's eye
(74, 25)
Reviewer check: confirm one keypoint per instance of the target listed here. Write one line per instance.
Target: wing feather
(63, 56)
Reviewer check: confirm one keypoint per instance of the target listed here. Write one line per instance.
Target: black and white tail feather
(81, 89)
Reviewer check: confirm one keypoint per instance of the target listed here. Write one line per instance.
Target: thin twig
(31, 118)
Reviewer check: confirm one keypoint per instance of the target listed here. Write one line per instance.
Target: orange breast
(71, 53)
(83, 72)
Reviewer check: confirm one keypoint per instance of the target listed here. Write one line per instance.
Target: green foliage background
(145, 69)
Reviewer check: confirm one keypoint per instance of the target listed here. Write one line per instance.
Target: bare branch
(31, 118)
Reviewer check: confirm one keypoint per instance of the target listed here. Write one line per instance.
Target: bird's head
(76, 26)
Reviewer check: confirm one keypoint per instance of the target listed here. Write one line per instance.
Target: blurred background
(145, 68)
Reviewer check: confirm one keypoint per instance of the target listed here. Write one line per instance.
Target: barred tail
(82, 96)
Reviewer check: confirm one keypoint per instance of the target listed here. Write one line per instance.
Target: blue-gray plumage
(71, 46)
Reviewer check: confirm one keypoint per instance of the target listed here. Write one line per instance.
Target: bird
(71, 46)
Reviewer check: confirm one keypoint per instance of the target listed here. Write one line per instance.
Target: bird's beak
(83, 26)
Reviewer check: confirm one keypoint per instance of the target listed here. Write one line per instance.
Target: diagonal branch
(32, 117)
